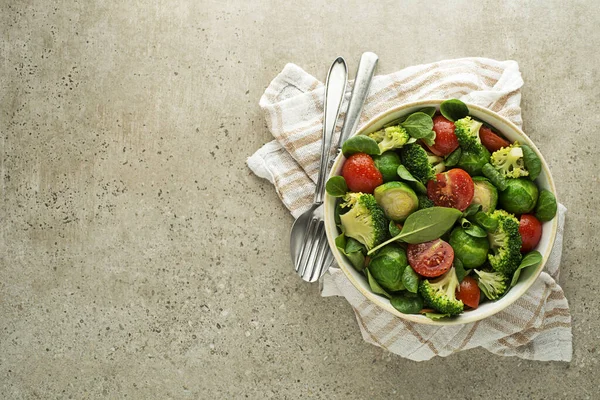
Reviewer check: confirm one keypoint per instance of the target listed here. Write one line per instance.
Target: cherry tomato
(530, 229)
(468, 292)
(430, 259)
(361, 174)
(490, 140)
(445, 139)
(454, 188)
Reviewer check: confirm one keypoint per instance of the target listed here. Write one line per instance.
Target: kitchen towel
(537, 326)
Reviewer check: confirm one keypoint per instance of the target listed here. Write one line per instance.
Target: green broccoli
(467, 132)
(505, 243)
(420, 163)
(365, 221)
(509, 161)
(440, 293)
(424, 202)
(392, 137)
(492, 284)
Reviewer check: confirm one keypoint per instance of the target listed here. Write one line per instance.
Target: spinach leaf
(429, 111)
(410, 279)
(407, 304)
(531, 259)
(425, 225)
(460, 270)
(393, 228)
(453, 158)
(414, 182)
(353, 250)
(336, 186)
(375, 288)
(429, 139)
(454, 109)
(360, 144)
(418, 125)
(532, 162)
(546, 206)
(494, 176)
(472, 229)
(472, 210)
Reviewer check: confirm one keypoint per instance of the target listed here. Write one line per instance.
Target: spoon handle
(362, 82)
(335, 86)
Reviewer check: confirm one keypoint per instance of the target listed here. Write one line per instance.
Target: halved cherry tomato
(445, 139)
(454, 188)
(430, 259)
(361, 174)
(530, 229)
(490, 140)
(468, 292)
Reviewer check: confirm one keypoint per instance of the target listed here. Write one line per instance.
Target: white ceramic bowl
(528, 276)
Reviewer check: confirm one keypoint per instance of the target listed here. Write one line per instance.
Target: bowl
(528, 275)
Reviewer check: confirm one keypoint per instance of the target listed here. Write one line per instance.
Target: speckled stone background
(140, 258)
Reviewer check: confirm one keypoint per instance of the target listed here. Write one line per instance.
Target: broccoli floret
(365, 221)
(505, 243)
(420, 163)
(509, 161)
(392, 137)
(440, 293)
(467, 132)
(492, 284)
(424, 202)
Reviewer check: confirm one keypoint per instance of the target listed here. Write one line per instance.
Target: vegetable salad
(439, 211)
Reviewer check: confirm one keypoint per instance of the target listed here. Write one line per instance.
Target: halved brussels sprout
(397, 199)
(387, 267)
(519, 197)
(473, 162)
(470, 250)
(485, 194)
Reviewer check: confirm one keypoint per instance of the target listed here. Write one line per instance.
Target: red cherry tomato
(490, 140)
(468, 292)
(430, 259)
(531, 232)
(361, 174)
(454, 188)
(445, 139)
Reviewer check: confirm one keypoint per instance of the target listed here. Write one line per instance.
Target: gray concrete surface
(140, 258)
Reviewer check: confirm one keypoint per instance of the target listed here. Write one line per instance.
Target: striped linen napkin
(537, 326)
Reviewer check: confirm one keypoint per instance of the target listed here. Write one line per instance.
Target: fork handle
(335, 86)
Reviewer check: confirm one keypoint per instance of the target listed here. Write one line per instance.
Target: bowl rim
(384, 303)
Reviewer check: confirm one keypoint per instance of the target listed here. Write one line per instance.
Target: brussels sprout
(473, 162)
(519, 197)
(387, 267)
(471, 251)
(485, 194)
(397, 199)
(546, 206)
(387, 163)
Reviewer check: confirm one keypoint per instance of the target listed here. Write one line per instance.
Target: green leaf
(430, 139)
(393, 228)
(532, 162)
(414, 182)
(410, 279)
(475, 231)
(353, 250)
(454, 109)
(546, 206)
(453, 158)
(436, 316)
(494, 176)
(360, 144)
(531, 259)
(484, 220)
(375, 288)
(418, 125)
(425, 225)
(472, 210)
(429, 111)
(336, 186)
(407, 304)
(459, 269)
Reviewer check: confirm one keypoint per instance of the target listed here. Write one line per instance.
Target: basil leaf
(418, 125)
(393, 228)
(472, 210)
(360, 144)
(454, 109)
(410, 279)
(429, 139)
(336, 186)
(459, 269)
(494, 176)
(429, 111)
(414, 182)
(531, 259)
(407, 304)
(425, 225)
(453, 158)
(436, 316)
(375, 288)
(532, 162)
(546, 206)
